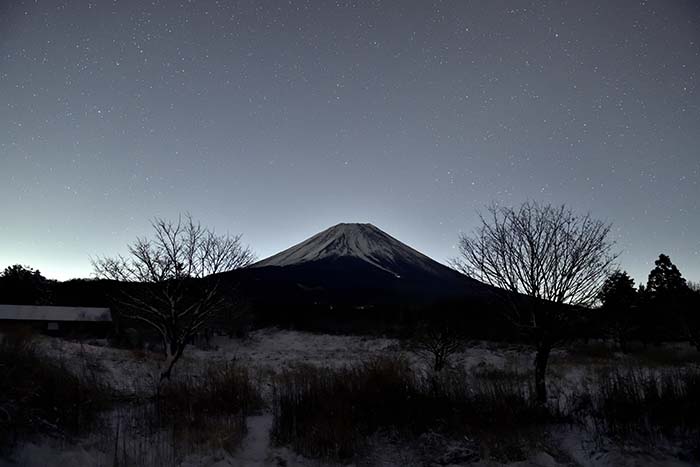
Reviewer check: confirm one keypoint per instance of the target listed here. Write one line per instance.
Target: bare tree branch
(166, 280)
(546, 253)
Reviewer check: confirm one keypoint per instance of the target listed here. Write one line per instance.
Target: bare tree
(558, 260)
(436, 344)
(167, 280)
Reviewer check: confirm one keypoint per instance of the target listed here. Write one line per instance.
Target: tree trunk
(541, 358)
(439, 363)
(173, 353)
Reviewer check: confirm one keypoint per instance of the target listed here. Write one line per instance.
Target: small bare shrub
(436, 344)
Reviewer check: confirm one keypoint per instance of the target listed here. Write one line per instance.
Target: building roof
(53, 313)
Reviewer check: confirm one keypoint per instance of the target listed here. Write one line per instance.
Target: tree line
(666, 308)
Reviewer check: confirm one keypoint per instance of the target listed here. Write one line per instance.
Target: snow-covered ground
(267, 350)
(270, 351)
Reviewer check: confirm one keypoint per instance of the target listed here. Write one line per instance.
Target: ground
(269, 351)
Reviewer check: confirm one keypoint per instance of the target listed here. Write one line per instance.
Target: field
(288, 398)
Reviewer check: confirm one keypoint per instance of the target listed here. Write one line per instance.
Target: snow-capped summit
(363, 242)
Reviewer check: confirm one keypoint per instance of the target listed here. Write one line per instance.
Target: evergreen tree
(691, 316)
(668, 295)
(619, 297)
(665, 279)
(22, 285)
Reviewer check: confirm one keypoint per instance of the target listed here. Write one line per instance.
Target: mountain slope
(356, 264)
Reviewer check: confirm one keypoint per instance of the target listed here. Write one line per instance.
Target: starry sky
(278, 119)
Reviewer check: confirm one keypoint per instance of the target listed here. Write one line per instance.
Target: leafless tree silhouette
(436, 343)
(558, 259)
(167, 280)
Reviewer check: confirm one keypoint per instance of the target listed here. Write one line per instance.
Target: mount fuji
(359, 242)
(356, 264)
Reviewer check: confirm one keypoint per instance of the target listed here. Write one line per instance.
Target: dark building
(57, 320)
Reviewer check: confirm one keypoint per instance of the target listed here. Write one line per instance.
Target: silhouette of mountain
(358, 265)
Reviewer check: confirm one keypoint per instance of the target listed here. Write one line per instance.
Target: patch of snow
(587, 452)
(255, 448)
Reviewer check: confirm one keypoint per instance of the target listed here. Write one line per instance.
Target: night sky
(278, 119)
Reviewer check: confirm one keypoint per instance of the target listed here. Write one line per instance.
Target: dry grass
(191, 414)
(39, 394)
(330, 413)
(220, 389)
(647, 405)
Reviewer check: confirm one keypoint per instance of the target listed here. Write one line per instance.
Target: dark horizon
(638, 281)
(278, 121)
